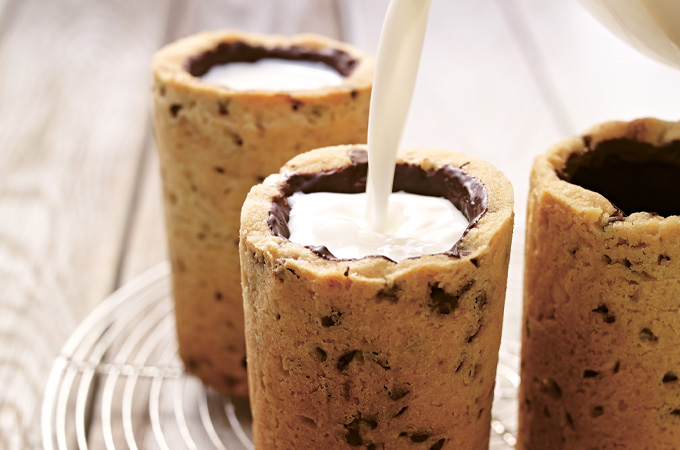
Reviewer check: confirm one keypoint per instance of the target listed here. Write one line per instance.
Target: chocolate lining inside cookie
(466, 192)
(237, 51)
(634, 176)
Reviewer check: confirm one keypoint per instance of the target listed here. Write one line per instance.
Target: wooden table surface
(80, 202)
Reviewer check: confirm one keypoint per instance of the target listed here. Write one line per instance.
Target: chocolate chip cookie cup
(368, 352)
(601, 340)
(214, 143)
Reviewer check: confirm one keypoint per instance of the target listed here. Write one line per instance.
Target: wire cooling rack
(119, 383)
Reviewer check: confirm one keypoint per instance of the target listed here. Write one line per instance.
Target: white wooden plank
(73, 90)
(261, 16)
(362, 22)
(147, 244)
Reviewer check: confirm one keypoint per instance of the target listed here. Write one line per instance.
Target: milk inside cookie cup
(602, 282)
(214, 143)
(369, 351)
(465, 192)
(316, 67)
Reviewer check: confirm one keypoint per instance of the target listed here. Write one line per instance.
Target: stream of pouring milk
(399, 50)
(359, 225)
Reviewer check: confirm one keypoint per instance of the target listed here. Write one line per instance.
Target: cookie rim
(544, 173)
(256, 232)
(169, 64)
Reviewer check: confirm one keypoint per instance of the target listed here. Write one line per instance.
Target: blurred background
(80, 201)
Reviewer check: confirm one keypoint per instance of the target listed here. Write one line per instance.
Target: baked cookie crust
(214, 144)
(369, 352)
(601, 334)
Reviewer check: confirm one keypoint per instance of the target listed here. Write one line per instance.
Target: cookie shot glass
(230, 108)
(375, 351)
(601, 341)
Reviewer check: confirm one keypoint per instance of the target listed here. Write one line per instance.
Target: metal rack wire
(118, 383)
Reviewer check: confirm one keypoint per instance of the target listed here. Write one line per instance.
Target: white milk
(273, 74)
(416, 225)
(401, 43)
(651, 26)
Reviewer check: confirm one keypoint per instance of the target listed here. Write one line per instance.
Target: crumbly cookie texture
(601, 335)
(214, 144)
(370, 353)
